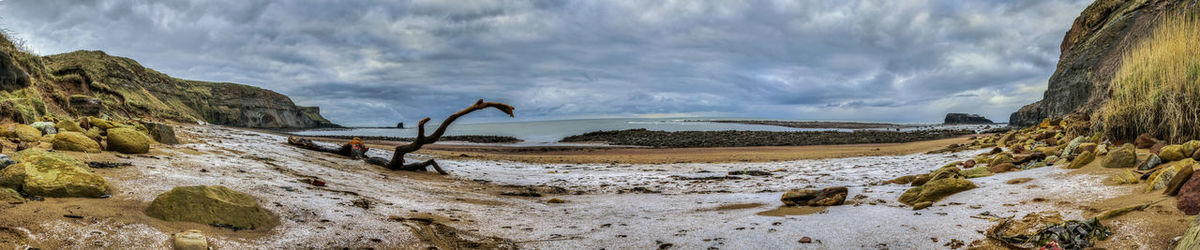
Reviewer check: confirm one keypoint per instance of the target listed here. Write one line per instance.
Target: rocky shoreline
(732, 138)
(815, 124)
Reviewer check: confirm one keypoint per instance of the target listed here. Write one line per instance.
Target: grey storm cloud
(378, 62)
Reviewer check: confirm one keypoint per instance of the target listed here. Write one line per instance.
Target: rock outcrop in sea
(964, 118)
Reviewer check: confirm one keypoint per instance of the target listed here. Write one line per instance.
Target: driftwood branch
(397, 162)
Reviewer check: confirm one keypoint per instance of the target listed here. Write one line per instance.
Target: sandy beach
(625, 205)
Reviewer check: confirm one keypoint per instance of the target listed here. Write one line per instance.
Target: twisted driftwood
(397, 161)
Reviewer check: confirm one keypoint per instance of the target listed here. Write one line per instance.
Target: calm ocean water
(549, 132)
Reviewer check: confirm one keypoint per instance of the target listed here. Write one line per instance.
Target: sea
(551, 131)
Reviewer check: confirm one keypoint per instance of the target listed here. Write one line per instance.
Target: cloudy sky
(378, 62)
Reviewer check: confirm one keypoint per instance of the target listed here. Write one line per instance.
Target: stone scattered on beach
(935, 190)
(1082, 160)
(52, 174)
(1172, 153)
(1071, 146)
(1126, 177)
(162, 133)
(1176, 182)
(66, 125)
(902, 180)
(1001, 159)
(922, 205)
(1189, 196)
(10, 196)
(128, 140)
(1018, 181)
(1124, 156)
(976, 172)
(101, 123)
(211, 205)
(75, 141)
(1144, 141)
(1001, 168)
(24, 132)
(831, 196)
(1191, 238)
(190, 240)
(45, 127)
(1149, 163)
(1162, 177)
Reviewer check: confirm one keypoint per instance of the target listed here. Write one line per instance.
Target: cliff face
(57, 85)
(1091, 53)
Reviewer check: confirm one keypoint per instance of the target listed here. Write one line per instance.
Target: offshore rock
(963, 118)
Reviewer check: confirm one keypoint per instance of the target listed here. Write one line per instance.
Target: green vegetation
(1157, 88)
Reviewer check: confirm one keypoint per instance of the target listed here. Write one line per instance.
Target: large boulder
(1189, 196)
(935, 190)
(1072, 146)
(52, 174)
(162, 133)
(1149, 163)
(1162, 178)
(75, 141)
(1178, 180)
(1173, 153)
(128, 140)
(1124, 156)
(831, 196)
(1082, 160)
(46, 127)
(1191, 238)
(211, 205)
(1144, 141)
(101, 123)
(66, 125)
(24, 132)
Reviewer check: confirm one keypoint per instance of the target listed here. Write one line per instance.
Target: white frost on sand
(610, 213)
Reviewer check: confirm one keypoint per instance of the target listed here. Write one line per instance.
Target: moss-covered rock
(1124, 156)
(66, 125)
(10, 196)
(976, 172)
(213, 205)
(101, 123)
(1082, 160)
(128, 140)
(95, 133)
(52, 174)
(75, 141)
(1172, 153)
(935, 190)
(45, 127)
(25, 132)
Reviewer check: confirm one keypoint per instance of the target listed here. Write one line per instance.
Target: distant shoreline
(814, 124)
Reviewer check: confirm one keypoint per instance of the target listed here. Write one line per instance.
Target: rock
(1124, 156)
(46, 127)
(211, 205)
(1189, 196)
(85, 105)
(1159, 179)
(902, 180)
(1126, 177)
(52, 174)
(1150, 162)
(1144, 141)
(1087, 147)
(1001, 159)
(935, 190)
(190, 240)
(1177, 181)
(963, 118)
(1157, 147)
(556, 201)
(75, 141)
(10, 196)
(1082, 160)
(1191, 238)
(162, 133)
(921, 179)
(831, 196)
(922, 205)
(968, 164)
(25, 132)
(976, 172)
(5, 161)
(66, 125)
(1001, 168)
(101, 123)
(1190, 147)
(95, 133)
(1173, 153)
(805, 240)
(128, 141)
(1072, 146)
(1018, 181)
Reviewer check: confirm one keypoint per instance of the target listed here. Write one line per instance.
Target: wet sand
(495, 203)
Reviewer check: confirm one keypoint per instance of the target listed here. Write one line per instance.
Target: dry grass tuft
(1157, 88)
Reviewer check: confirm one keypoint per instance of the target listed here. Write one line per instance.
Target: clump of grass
(1156, 90)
